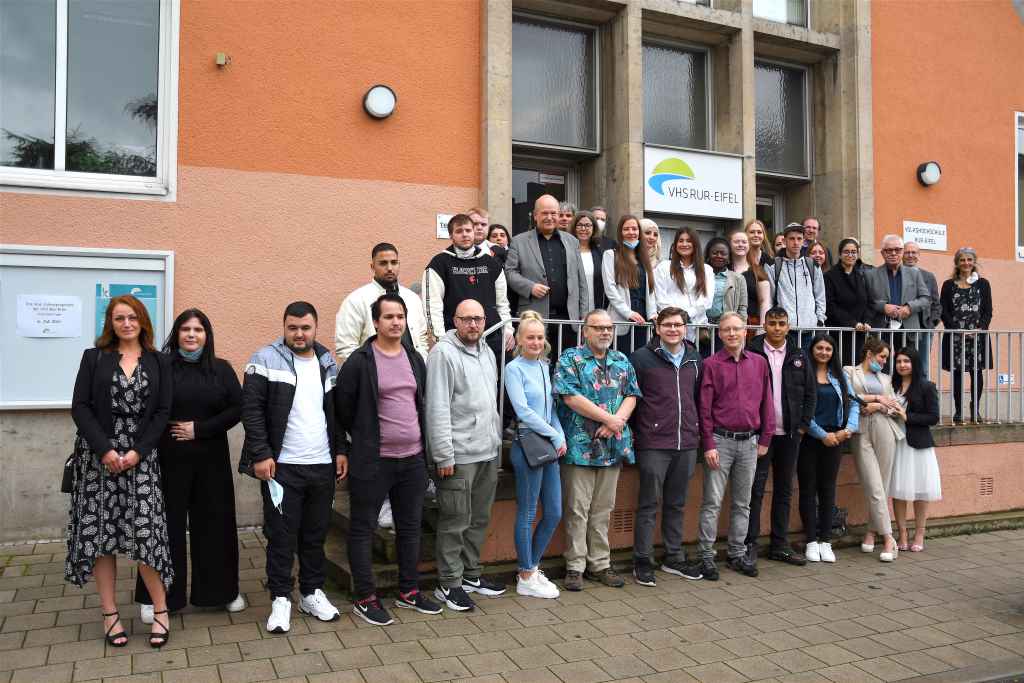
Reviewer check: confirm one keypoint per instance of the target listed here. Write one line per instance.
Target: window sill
(92, 183)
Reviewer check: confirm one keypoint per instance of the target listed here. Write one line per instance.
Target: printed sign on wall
(931, 236)
(49, 315)
(692, 183)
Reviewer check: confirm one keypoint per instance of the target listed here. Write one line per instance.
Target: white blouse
(695, 303)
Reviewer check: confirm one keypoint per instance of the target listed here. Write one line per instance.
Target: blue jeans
(533, 484)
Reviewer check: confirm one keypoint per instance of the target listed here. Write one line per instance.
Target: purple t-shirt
(399, 423)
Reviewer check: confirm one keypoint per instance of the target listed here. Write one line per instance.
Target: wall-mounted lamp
(380, 101)
(929, 173)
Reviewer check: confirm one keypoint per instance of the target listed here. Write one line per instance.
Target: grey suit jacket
(524, 268)
(935, 312)
(915, 294)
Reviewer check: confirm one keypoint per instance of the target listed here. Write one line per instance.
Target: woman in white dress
(915, 469)
(683, 281)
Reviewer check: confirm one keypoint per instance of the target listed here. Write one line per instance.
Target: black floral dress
(118, 514)
(967, 353)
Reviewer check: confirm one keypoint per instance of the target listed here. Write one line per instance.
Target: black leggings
(977, 388)
(816, 472)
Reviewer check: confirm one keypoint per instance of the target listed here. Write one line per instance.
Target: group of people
(409, 399)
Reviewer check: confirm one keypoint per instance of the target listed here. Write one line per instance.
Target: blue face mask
(875, 366)
(631, 244)
(191, 356)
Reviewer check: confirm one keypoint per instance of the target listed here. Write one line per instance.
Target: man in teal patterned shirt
(597, 391)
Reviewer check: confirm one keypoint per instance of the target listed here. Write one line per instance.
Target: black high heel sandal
(158, 640)
(112, 638)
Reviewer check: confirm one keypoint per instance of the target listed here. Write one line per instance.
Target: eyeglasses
(603, 329)
(471, 319)
(849, 252)
(893, 250)
(672, 326)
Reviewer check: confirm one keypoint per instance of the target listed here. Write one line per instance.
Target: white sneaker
(146, 613)
(385, 520)
(236, 605)
(544, 578)
(826, 552)
(319, 606)
(534, 587)
(280, 620)
(813, 552)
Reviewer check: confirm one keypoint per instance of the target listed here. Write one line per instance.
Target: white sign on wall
(931, 236)
(442, 225)
(692, 183)
(49, 315)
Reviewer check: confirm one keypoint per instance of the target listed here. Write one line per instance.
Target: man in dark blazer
(899, 296)
(544, 268)
(911, 255)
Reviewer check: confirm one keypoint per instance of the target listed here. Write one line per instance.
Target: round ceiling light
(929, 173)
(380, 101)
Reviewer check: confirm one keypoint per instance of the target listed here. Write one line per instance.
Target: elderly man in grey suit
(544, 268)
(899, 294)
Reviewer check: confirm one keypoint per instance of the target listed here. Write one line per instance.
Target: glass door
(530, 180)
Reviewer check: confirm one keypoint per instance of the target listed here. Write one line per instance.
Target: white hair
(892, 238)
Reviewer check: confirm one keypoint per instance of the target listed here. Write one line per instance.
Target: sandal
(158, 640)
(112, 638)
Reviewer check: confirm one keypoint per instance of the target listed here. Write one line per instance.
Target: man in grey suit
(543, 267)
(911, 255)
(899, 294)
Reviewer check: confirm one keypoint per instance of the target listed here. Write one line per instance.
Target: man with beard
(291, 446)
(354, 325)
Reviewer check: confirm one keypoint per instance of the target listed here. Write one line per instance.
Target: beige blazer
(855, 376)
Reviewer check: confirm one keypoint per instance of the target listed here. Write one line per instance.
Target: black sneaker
(483, 586)
(573, 581)
(687, 570)
(454, 598)
(741, 565)
(643, 572)
(372, 612)
(787, 555)
(417, 601)
(709, 570)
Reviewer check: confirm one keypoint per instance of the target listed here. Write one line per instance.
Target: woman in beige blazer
(875, 445)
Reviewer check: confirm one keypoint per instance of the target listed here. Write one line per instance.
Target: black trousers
(816, 472)
(299, 527)
(199, 494)
(781, 458)
(977, 389)
(405, 481)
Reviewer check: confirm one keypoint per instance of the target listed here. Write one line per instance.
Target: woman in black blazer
(846, 300)
(915, 469)
(592, 248)
(120, 405)
(966, 300)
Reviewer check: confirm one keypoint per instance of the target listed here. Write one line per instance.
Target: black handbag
(67, 481)
(538, 449)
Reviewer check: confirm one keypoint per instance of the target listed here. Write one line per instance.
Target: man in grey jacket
(463, 443)
(797, 284)
(544, 268)
(898, 294)
(911, 256)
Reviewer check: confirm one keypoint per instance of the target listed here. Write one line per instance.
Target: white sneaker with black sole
(454, 598)
(483, 586)
(280, 620)
(317, 605)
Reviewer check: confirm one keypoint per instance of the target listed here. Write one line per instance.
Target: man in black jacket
(379, 404)
(795, 396)
(290, 446)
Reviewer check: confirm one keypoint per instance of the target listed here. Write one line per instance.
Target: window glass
(113, 55)
(528, 184)
(553, 90)
(780, 125)
(27, 63)
(783, 11)
(675, 97)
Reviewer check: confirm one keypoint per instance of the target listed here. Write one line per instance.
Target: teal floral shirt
(606, 383)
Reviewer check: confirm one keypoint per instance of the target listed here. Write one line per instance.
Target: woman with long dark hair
(629, 284)
(836, 419)
(846, 299)
(584, 229)
(683, 282)
(199, 492)
(915, 469)
(966, 299)
(120, 406)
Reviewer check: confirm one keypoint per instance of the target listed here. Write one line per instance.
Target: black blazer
(922, 413)
(597, 254)
(90, 404)
(799, 385)
(949, 287)
(846, 298)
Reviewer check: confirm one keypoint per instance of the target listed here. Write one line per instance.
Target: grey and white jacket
(800, 290)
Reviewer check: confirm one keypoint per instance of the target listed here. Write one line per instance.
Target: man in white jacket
(354, 324)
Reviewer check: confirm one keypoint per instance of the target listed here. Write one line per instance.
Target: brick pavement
(954, 612)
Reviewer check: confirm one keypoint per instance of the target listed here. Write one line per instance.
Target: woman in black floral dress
(966, 305)
(121, 403)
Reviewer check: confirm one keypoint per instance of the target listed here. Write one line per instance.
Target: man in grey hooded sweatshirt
(463, 443)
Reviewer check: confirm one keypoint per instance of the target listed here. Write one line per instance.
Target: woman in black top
(966, 305)
(120, 405)
(584, 229)
(846, 300)
(198, 488)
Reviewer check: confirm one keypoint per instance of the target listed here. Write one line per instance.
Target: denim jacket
(852, 420)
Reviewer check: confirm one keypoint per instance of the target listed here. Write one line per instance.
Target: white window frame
(807, 16)
(708, 84)
(524, 145)
(808, 156)
(163, 185)
(1018, 131)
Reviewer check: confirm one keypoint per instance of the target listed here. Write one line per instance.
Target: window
(88, 94)
(554, 85)
(781, 142)
(1020, 186)
(676, 96)
(783, 11)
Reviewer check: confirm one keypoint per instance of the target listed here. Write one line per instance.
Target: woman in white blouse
(685, 281)
(628, 285)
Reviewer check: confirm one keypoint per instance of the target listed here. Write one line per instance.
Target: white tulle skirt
(915, 473)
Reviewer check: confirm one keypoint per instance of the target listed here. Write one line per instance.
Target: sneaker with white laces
(236, 605)
(146, 613)
(280, 620)
(534, 587)
(543, 578)
(372, 611)
(825, 550)
(385, 518)
(319, 606)
(813, 551)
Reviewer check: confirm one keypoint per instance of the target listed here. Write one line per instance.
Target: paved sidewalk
(954, 612)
